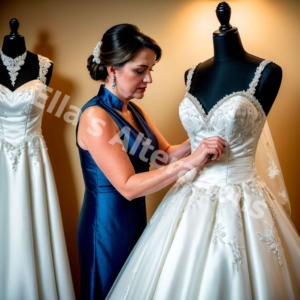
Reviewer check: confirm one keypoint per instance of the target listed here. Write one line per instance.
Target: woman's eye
(139, 71)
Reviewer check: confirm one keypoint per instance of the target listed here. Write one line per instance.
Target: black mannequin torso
(14, 46)
(231, 70)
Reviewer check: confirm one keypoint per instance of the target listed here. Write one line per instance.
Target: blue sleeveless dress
(110, 225)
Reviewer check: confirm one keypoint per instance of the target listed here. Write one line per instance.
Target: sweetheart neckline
(20, 85)
(206, 117)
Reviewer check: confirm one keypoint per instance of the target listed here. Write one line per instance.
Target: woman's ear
(111, 71)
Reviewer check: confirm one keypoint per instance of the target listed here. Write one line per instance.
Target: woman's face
(132, 79)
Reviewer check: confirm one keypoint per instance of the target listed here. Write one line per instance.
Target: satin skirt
(214, 240)
(33, 257)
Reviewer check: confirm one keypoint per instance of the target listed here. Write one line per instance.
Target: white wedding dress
(219, 233)
(33, 259)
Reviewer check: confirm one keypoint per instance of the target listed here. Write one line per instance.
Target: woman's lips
(142, 89)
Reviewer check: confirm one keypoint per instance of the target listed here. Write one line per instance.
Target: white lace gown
(218, 233)
(33, 257)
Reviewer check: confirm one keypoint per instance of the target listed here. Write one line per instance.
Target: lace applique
(283, 195)
(235, 249)
(272, 239)
(259, 69)
(210, 194)
(272, 210)
(13, 65)
(193, 199)
(189, 78)
(231, 193)
(33, 142)
(272, 169)
(44, 63)
(208, 116)
(218, 234)
(240, 222)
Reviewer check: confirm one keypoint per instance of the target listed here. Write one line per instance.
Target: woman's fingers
(212, 148)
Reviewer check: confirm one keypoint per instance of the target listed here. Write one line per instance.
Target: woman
(116, 141)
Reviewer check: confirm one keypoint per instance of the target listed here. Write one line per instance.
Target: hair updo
(119, 45)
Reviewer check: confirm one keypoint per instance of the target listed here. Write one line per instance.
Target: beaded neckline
(249, 94)
(13, 65)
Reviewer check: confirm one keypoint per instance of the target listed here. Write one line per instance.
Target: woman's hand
(209, 149)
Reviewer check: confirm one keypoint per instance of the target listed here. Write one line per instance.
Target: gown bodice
(21, 113)
(21, 110)
(239, 119)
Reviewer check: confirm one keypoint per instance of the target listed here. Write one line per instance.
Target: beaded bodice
(238, 118)
(21, 114)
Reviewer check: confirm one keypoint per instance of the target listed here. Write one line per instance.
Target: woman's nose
(148, 77)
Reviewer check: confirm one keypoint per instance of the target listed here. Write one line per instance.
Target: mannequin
(33, 259)
(14, 46)
(232, 69)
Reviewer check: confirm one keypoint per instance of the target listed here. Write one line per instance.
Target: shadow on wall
(54, 129)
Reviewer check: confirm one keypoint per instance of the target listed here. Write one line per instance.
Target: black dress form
(232, 69)
(14, 46)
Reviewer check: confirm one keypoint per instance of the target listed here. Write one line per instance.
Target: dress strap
(189, 78)
(252, 86)
(45, 64)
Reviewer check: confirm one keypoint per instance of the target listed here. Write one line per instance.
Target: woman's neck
(115, 93)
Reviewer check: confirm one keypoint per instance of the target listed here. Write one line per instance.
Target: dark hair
(119, 45)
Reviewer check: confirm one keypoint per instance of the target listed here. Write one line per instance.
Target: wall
(67, 31)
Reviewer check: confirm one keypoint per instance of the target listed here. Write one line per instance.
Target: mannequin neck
(227, 46)
(13, 46)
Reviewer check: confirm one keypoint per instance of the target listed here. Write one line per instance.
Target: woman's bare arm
(96, 132)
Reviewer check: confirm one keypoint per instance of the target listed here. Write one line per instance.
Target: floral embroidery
(272, 210)
(283, 195)
(13, 65)
(218, 234)
(259, 69)
(273, 169)
(44, 63)
(235, 248)
(240, 221)
(33, 143)
(256, 189)
(272, 239)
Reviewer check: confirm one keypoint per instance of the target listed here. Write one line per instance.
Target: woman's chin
(139, 95)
